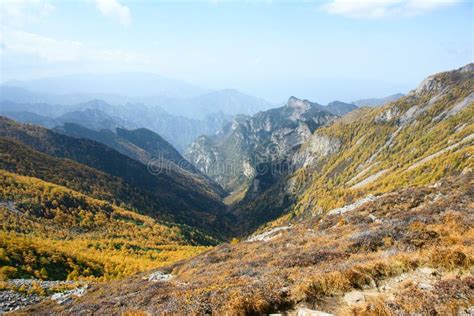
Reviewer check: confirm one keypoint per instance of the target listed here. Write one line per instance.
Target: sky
(318, 50)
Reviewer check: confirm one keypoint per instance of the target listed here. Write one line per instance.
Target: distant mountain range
(173, 96)
(201, 115)
(176, 110)
(98, 115)
(132, 84)
(378, 101)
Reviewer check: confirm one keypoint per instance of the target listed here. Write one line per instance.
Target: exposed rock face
(232, 157)
(428, 85)
(460, 106)
(67, 297)
(159, 277)
(335, 107)
(10, 300)
(387, 115)
(438, 82)
(14, 299)
(317, 147)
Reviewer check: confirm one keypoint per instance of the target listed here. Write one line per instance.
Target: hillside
(406, 252)
(160, 194)
(54, 233)
(150, 149)
(415, 140)
(139, 144)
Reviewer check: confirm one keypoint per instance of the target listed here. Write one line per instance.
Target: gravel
(11, 300)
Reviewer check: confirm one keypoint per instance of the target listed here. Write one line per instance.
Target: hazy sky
(320, 50)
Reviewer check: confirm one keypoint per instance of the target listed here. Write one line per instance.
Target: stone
(425, 286)
(354, 297)
(159, 277)
(310, 312)
(66, 297)
(428, 271)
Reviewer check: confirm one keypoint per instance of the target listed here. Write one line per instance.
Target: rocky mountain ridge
(232, 156)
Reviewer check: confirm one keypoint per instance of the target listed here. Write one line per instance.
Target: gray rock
(66, 297)
(354, 297)
(311, 312)
(159, 277)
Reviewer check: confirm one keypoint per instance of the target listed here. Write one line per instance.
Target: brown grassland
(315, 263)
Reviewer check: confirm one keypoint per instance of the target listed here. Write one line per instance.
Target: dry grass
(317, 261)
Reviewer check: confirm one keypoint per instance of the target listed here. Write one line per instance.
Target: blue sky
(320, 50)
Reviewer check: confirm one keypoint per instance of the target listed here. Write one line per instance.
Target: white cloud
(112, 8)
(16, 42)
(18, 13)
(20, 42)
(374, 9)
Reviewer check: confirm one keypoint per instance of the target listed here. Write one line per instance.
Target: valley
(303, 207)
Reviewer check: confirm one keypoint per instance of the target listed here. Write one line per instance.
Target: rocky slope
(232, 156)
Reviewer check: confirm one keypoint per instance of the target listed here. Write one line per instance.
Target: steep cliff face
(317, 147)
(232, 156)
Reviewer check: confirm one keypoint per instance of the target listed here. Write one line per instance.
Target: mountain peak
(295, 103)
(467, 68)
(335, 102)
(440, 81)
